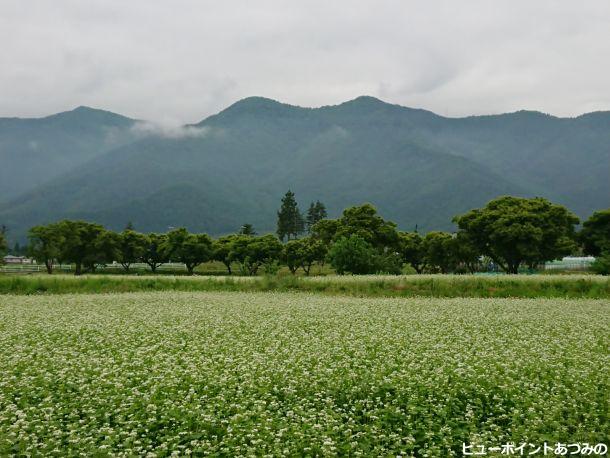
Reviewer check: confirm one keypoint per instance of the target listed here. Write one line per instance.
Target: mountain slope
(34, 151)
(418, 168)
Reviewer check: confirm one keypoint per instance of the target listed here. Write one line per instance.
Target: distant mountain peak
(255, 106)
(366, 100)
(85, 108)
(256, 103)
(84, 113)
(82, 110)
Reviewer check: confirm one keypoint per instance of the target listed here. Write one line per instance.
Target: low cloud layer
(147, 128)
(187, 59)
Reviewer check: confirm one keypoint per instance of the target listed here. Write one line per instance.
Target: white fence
(114, 267)
(143, 266)
(31, 268)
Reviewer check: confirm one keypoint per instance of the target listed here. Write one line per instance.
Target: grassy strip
(568, 286)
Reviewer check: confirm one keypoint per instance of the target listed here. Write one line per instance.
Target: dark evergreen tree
(311, 217)
(315, 213)
(247, 229)
(290, 222)
(320, 211)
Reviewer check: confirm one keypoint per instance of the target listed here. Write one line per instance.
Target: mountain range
(416, 167)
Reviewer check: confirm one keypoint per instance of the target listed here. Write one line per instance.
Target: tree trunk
(513, 268)
(79, 269)
(228, 266)
(126, 267)
(189, 268)
(49, 265)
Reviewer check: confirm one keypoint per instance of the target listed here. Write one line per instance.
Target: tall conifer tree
(315, 213)
(290, 222)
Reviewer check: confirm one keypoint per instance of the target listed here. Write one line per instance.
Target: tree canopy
(45, 244)
(510, 232)
(252, 252)
(363, 221)
(222, 250)
(82, 245)
(156, 253)
(513, 231)
(353, 255)
(131, 248)
(303, 253)
(410, 248)
(595, 233)
(189, 249)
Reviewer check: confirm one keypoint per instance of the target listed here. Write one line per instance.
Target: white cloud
(146, 128)
(187, 59)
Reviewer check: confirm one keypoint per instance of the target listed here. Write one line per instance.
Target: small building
(10, 259)
(570, 263)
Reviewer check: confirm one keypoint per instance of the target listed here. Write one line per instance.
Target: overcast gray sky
(182, 60)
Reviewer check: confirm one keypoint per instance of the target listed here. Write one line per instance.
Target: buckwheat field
(281, 374)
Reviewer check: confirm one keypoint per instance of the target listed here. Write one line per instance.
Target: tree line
(507, 234)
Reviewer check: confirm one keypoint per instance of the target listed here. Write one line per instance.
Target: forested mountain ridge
(415, 166)
(34, 151)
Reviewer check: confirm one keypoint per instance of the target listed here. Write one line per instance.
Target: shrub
(388, 263)
(601, 265)
(352, 255)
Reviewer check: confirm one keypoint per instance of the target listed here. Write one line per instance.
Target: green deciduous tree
(252, 252)
(364, 221)
(465, 253)
(291, 255)
(222, 250)
(514, 231)
(80, 244)
(595, 233)
(156, 253)
(190, 249)
(352, 254)
(290, 222)
(438, 249)
(106, 246)
(45, 244)
(303, 253)
(325, 230)
(410, 248)
(131, 247)
(311, 251)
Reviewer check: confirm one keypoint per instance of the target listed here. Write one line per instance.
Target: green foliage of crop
(530, 286)
(252, 374)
